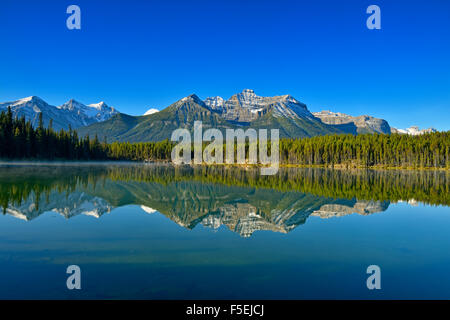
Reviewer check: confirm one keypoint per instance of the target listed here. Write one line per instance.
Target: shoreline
(244, 166)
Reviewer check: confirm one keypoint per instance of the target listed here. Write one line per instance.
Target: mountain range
(71, 114)
(414, 131)
(243, 110)
(362, 124)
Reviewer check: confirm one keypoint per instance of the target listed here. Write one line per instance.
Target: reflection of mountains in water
(68, 205)
(189, 203)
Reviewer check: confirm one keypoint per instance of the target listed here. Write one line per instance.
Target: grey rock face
(71, 113)
(363, 124)
(246, 107)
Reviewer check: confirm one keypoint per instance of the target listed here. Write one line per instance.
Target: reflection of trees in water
(17, 184)
(431, 187)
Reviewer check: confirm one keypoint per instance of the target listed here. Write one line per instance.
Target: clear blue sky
(139, 54)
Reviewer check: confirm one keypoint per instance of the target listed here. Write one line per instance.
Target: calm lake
(159, 232)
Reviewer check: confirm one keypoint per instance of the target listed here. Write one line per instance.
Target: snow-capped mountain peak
(28, 99)
(98, 106)
(104, 112)
(71, 105)
(413, 130)
(89, 114)
(248, 98)
(215, 103)
(247, 106)
(151, 111)
(29, 107)
(72, 113)
(24, 101)
(362, 123)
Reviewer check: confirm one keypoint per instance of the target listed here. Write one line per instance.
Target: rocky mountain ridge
(70, 114)
(363, 123)
(413, 130)
(242, 110)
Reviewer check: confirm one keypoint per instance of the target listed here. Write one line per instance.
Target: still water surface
(158, 232)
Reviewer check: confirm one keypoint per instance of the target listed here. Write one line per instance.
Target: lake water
(158, 232)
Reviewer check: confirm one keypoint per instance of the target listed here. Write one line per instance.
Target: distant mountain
(150, 111)
(88, 114)
(242, 110)
(31, 107)
(358, 124)
(157, 126)
(246, 107)
(71, 113)
(285, 113)
(414, 131)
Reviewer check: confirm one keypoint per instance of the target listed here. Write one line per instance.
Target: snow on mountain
(215, 103)
(83, 115)
(248, 99)
(414, 131)
(287, 106)
(31, 107)
(247, 106)
(363, 123)
(71, 113)
(151, 111)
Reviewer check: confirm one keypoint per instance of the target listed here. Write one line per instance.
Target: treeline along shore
(19, 183)
(20, 140)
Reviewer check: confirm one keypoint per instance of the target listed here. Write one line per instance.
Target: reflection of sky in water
(129, 253)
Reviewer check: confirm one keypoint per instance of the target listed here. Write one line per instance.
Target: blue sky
(137, 55)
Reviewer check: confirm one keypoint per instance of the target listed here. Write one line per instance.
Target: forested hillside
(19, 140)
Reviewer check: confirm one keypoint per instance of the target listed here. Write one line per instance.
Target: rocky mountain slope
(246, 107)
(71, 113)
(157, 126)
(355, 125)
(243, 110)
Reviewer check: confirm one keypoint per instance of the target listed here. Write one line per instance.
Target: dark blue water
(229, 249)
